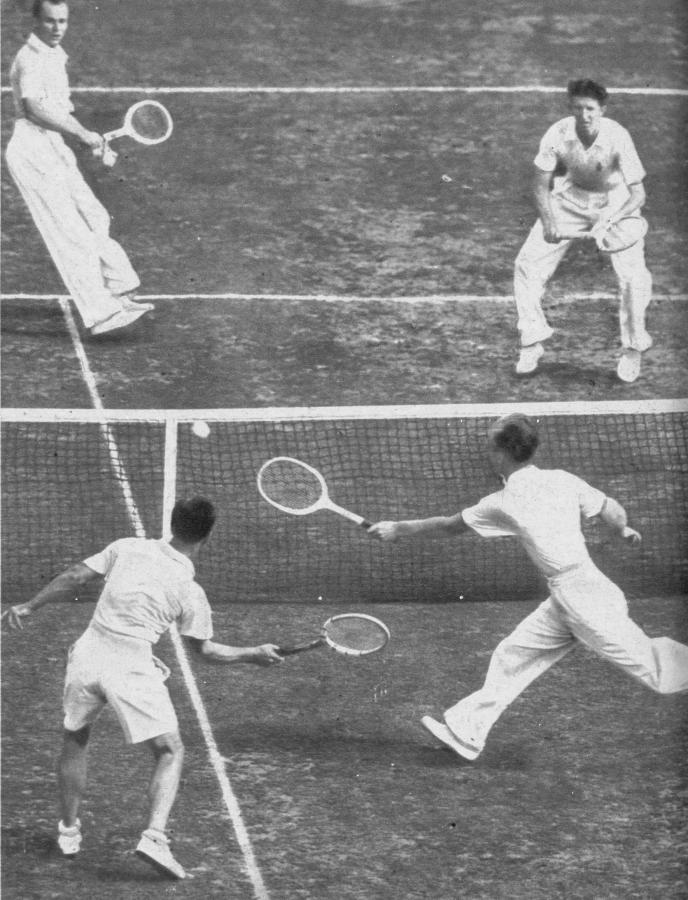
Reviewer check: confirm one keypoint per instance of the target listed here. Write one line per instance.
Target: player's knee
(170, 744)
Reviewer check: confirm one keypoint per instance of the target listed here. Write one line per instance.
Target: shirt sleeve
(196, 620)
(629, 162)
(590, 499)
(27, 77)
(103, 562)
(548, 154)
(488, 519)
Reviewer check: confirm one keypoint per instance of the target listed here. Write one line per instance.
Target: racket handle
(366, 524)
(301, 648)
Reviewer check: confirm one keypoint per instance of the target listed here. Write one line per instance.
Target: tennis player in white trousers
(73, 223)
(587, 173)
(543, 508)
(149, 586)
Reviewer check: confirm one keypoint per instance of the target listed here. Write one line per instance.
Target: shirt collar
(41, 47)
(602, 138)
(170, 551)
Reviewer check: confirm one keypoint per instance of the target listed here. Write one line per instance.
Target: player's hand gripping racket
(611, 238)
(352, 634)
(299, 489)
(147, 122)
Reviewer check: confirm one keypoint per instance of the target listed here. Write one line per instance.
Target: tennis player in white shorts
(149, 586)
(73, 223)
(587, 173)
(543, 508)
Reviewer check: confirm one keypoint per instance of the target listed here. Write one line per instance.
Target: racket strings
(291, 485)
(150, 121)
(357, 634)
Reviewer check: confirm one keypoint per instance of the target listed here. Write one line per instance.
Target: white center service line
(216, 760)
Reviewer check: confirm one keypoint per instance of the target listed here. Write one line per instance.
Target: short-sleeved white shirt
(149, 585)
(609, 162)
(542, 508)
(39, 72)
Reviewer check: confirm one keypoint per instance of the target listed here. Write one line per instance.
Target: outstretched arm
(614, 516)
(262, 655)
(435, 526)
(63, 587)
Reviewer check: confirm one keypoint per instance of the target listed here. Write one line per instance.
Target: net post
(169, 475)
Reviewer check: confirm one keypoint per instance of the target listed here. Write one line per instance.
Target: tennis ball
(200, 429)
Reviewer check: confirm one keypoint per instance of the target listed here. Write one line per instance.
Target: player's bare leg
(72, 775)
(168, 751)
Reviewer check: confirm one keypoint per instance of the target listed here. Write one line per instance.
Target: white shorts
(119, 671)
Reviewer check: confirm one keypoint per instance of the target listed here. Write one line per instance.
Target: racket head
(148, 122)
(623, 234)
(292, 486)
(355, 634)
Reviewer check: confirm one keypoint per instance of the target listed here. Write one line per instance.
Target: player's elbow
(613, 513)
(199, 646)
(638, 193)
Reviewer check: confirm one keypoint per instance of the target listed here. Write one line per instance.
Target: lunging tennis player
(543, 508)
(149, 586)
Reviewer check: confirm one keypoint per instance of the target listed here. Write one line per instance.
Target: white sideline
(216, 760)
(365, 89)
(361, 298)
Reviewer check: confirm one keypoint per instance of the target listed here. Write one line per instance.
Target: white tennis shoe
(120, 319)
(628, 368)
(154, 848)
(529, 359)
(444, 734)
(69, 839)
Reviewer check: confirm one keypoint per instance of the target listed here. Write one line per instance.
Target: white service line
(216, 760)
(365, 89)
(360, 298)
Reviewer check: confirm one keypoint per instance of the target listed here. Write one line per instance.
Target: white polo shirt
(39, 72)
(611, 160)
(149, 585)
(542, 508)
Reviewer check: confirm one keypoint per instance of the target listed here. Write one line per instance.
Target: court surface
(334, 222)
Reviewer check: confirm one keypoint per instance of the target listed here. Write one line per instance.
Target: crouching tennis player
(149, 586)
(543, 508)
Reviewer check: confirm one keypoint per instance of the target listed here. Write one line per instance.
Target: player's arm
(542, 193)
(435, 526)
(634, 202)
(63, 122)
(213, 652)
(614, 517)
(63, 587)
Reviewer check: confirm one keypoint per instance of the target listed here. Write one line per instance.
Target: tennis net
(75, 480)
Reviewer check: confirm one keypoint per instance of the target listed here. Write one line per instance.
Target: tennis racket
(147, 122)
(351, 634)
(620, 235)
(297, 488)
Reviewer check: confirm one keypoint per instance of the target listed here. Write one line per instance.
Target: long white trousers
(537, 261)
(72, 221)
(586, 607)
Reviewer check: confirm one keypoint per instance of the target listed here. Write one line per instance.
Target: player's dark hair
(517, 435)
(192, 519)
(585, 87)
(38, 5)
